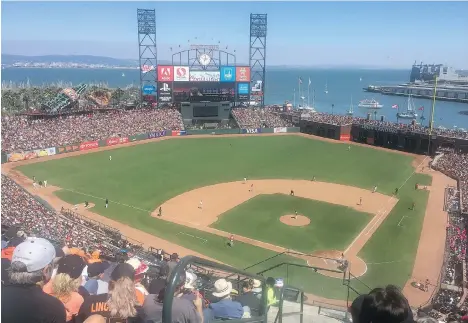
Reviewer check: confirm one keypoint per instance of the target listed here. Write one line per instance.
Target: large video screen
(206, 111)
(203, 91)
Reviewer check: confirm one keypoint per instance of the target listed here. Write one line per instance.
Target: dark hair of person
(385, 305)
(270, 281)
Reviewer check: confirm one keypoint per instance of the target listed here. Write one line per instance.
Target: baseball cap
(72, 265)
(123, 270)
(34, 253)
(97, 268)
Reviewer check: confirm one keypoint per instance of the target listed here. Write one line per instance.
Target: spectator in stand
(94, 283)
(271, 295)
(225, 307)
(120, 303)
(158, 284)
(140, 268)
(172, 263)
(249, 298)
(23, 300)
(383, 305)
(183, 310)
(64, 286)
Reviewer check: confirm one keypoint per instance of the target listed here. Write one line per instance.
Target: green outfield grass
(145, 176)
(332, 227)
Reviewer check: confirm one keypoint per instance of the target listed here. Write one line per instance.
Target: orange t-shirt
(72, 305)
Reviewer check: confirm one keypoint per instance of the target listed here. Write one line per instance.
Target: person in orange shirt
(7, 253)
(94, 257)
(64, 286)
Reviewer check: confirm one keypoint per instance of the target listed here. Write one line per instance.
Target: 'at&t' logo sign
(166, 73)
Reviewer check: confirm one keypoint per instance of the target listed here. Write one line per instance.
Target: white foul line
(380, 211)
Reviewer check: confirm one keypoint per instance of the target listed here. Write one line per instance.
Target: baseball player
(375, 189)
(45, 183)
(349, 148)
(295, 215)
(160, 211)
(245, 180)
(107, 203)
(360, 201)
(292, 193)
(200, 206)
(110, 157)
(231, 240)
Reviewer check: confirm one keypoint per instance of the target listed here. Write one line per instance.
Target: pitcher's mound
(299, 221)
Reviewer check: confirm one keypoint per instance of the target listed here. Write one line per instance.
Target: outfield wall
(114, 141)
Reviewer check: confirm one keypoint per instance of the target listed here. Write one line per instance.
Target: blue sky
(386, 34)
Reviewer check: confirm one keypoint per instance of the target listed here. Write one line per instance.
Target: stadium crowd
(22, 133)
(336, 119)
(456, 166)
(259, 118)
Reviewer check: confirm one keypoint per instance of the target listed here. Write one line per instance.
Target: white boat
(351, 108)
(370, 104)
(360, 79)
(123, 74)
(409, 113)
(326, 88)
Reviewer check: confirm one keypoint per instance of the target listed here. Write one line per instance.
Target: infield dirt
(429, 258)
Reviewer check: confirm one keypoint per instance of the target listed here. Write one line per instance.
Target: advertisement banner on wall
(345, 137)
(156, 134)
(31, 154)
(228, 74)
(165, 92)
(178, 133)
(89, 145)
(67, 149)
(251, 131)
(243, 91)
(204, 76)
(165, 73)
(242, 74)
(148, 89)
(181, 73)
(280, 130)
(116, 141)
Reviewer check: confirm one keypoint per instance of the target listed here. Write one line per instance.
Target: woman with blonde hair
(64, 285)
(121, 300)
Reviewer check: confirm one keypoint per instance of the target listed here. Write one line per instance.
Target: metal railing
(225, 271)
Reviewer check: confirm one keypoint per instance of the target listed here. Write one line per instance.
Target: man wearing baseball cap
(23, 300)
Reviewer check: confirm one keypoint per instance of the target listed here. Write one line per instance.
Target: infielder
(45, 183)
(375, 189)
(295, 215)
(200, 206)
(245, 180)
(251, 188)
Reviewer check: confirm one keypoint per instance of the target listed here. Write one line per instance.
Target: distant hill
(8, 59)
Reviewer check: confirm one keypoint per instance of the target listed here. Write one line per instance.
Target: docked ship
(370, 104)
(451, 86)
(409, 113)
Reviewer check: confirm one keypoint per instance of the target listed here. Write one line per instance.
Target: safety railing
(213, 271)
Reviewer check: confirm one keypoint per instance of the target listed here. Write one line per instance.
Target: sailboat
(326, 88)
(360, 79)
(409, 113)
(351, 108)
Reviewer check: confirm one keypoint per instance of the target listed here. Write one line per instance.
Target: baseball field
(199, 185)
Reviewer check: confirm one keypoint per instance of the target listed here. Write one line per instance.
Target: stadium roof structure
(64, 99)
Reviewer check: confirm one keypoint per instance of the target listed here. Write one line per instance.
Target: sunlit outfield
(146, 175)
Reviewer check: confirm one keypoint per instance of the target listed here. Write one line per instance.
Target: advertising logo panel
(280, 130)
(165, 73)
(242, 74)
(156, 134)
(117, 141)
(148, 89)
(243, 91)
(89, 145)
(204, 76)
(228, 74)
(165, 92)
(181, 73)
(252, 131)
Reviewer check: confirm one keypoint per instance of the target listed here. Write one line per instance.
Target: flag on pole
(395, 106)
(310, 82)
(300, 80)
(421, 108)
